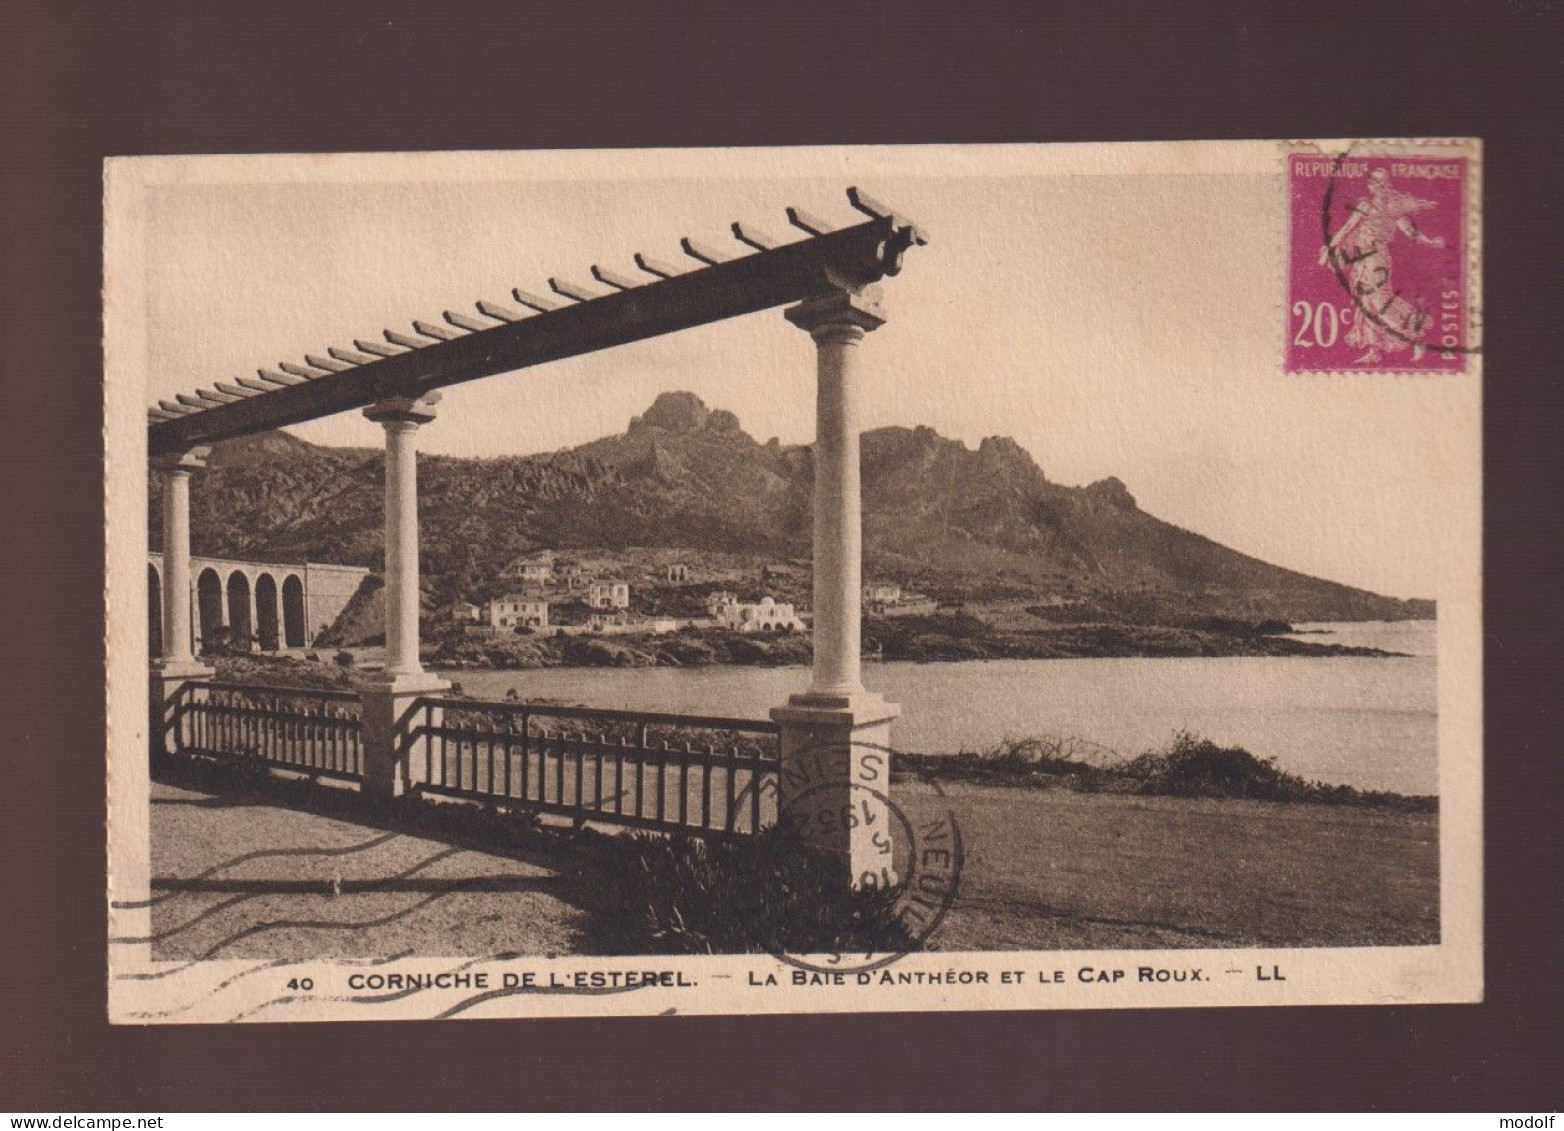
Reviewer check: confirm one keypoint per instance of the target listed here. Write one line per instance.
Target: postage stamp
(1378, 260)
(751, 581)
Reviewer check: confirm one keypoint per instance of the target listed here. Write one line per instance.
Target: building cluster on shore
(560, 596)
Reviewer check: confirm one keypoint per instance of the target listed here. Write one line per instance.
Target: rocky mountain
(962, 525)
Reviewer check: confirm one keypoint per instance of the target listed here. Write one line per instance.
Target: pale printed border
(142, 991)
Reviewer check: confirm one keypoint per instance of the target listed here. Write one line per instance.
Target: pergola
(831, 733)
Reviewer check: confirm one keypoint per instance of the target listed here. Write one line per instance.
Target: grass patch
(1189, 766)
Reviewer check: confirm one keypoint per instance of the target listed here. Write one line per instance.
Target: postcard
(759, 581)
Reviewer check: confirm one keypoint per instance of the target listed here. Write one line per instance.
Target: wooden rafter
(574, 320)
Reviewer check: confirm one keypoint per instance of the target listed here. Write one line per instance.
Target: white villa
(537, 573)
(609, 594)
(765, 615)
(719, 598)
(881, 593)
(515, 610)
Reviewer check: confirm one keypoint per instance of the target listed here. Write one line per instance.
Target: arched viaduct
(275, 606)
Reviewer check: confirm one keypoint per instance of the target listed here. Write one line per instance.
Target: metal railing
(674, 773)
(307, 730)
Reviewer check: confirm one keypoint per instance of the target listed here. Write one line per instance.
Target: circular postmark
(1356, 244)
(912, 860)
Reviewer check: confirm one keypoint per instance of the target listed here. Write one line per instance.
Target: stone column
(254, 643)
(835, 773)
(195, 607)
(276, 625)
(387, 768)
(178, 664)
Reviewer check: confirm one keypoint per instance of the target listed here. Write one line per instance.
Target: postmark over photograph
(1379, 259)
(813, 580)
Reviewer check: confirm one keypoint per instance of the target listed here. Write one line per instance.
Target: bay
(1369, 722)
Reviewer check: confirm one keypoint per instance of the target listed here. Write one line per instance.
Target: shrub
(769, 893)
(1052, 761)
(1198, 767)
(283, 672)
(225, 640)
(1190, 766)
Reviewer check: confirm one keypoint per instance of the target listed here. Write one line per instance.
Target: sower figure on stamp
(1360, 252)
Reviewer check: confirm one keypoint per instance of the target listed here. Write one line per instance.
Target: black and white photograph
(777, 581)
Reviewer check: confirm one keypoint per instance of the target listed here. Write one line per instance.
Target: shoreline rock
(916, 640)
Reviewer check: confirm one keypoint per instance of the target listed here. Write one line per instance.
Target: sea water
(1369, 722)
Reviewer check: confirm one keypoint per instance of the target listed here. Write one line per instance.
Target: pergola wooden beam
(582, 321)
(656, 267)
(705, 253)
(497, 311)
(614, 279)
(807, 222)
(575, 292)
(753, 236)
(404, 340)
(534, 302)
(465, 321)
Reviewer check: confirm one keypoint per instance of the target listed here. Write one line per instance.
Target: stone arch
(239, 608)
(293, 631)
(209, 605)
(267, 626)
(154, 611)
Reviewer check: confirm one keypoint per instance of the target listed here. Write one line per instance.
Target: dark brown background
(85, 80)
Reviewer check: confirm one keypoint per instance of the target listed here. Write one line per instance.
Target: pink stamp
(1377, 263)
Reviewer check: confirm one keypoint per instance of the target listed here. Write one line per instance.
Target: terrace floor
(241, 876)
(238, 877)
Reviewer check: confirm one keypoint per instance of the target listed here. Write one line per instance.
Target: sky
(1117, 310)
